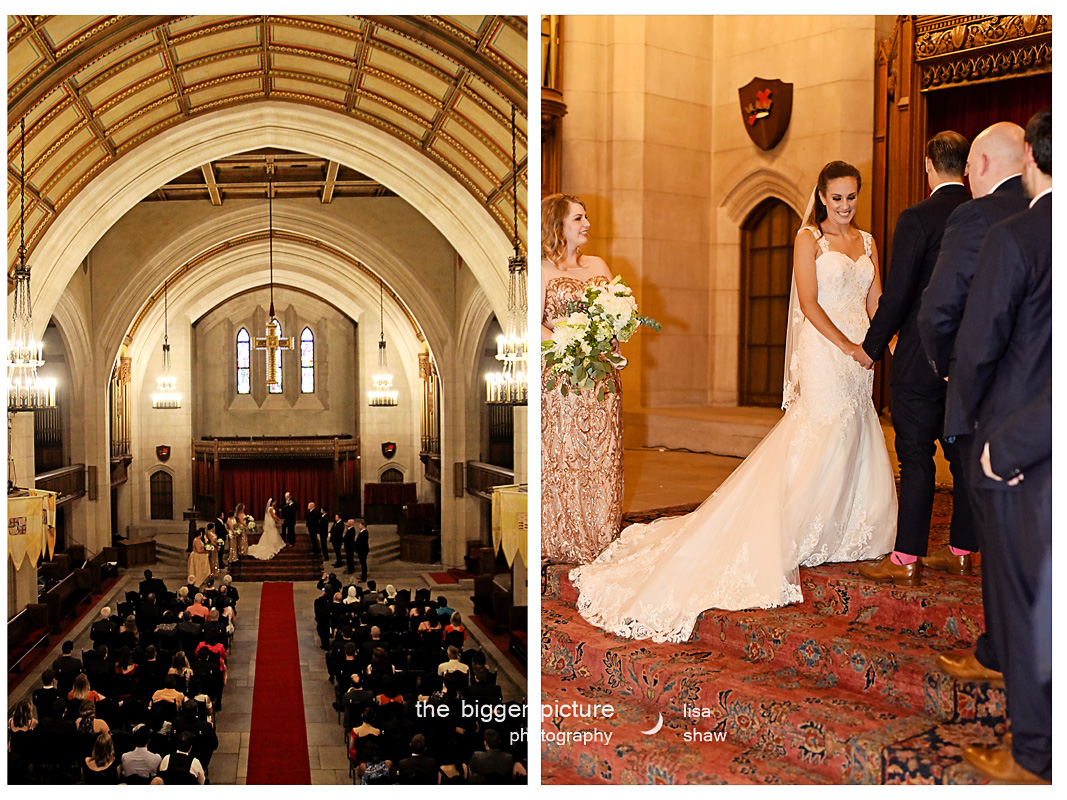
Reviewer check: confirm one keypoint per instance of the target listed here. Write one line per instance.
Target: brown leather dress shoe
(885, 570)
(998, 763)
(945, 561)
(968, 668)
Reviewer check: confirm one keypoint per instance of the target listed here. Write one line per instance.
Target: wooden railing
(482, 477)
(68, 482)
(432, 466)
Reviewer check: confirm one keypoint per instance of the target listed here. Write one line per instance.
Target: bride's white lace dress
(818, 488)
(271, 542)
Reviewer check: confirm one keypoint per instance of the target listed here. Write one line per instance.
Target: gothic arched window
(244, 362)
(276, 387)
(307, 361)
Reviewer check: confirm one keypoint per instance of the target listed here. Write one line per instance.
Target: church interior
(694, 143)
(269, 256)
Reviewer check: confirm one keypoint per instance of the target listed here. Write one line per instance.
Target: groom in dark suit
(918, 394)
(289, 520)
(994, 168)
(1003, 362)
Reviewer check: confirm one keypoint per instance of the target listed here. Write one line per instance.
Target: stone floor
(327, 752)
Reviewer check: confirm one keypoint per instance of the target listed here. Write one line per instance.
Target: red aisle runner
(278, 745)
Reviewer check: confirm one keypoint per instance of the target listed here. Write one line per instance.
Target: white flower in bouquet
(582, 353)
(250, 523)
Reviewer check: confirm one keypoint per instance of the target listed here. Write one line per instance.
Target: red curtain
(254, 481)
(970, 109)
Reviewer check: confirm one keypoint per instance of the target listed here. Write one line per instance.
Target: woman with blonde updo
(581, 437)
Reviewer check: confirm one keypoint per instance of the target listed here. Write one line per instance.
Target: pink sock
(957, 552)
(902, 558)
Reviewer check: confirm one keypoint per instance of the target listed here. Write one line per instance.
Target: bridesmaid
(199, 563)
(581, 439)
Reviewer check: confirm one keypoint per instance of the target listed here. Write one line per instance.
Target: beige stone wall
(654, 142)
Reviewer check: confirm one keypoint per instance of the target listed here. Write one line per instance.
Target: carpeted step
(893, 669)
(792, 715)
(943, 603)
(296, 562)
(934, 755)
(631, 756)
(770, 733)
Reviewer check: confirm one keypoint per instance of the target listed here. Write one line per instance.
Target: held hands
(859, 355)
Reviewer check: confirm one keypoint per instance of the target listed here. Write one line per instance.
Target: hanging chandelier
(165, 396)
(383, 393)
(25, 390)
(509, 385)
(271, 342)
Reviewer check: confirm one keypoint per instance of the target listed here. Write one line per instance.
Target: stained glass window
(307, 361)
(276, 388)
(244, 362)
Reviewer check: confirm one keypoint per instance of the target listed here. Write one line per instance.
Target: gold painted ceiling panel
(91, 87)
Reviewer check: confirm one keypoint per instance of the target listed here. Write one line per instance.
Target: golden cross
(272, 344)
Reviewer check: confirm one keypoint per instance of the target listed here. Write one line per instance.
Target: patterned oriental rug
(277, 744)
(841, 688)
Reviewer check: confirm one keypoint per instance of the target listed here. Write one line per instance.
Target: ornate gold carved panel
(966, 49)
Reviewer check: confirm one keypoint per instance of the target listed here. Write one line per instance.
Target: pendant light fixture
(25, 390)
(271, 341)
(383, 393)
(165, 396)
(508, 385)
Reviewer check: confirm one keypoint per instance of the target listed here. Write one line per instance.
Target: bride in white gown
(818, 488)
(271, 542)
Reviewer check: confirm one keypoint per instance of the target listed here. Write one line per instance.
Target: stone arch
(466, 224)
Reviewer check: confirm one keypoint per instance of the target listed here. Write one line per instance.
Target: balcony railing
(68, 482)
(482, 477)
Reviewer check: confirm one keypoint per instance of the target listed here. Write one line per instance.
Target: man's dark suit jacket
(103, 631)
(289, 513)
(916, 242)
(153, 586)
(337, 532)
(363, 542)
(1004, 348)
(350, 539)
(946, 295)
(1024, 440)
(313, 519)
(418, 770)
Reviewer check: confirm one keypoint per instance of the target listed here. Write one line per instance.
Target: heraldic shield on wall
(388, 449)
(766, 105)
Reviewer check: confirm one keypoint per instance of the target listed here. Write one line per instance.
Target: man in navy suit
(918, 394)
(994, 168)
(1004, 361)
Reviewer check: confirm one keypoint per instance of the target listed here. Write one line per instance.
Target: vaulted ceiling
(91, 88)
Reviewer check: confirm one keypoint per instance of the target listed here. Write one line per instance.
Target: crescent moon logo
(655, 728)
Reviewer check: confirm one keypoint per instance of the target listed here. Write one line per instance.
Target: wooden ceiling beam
(212, 187)
(330, 182)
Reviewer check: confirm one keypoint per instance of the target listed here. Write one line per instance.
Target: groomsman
(324, 533)
(350, 546)
(1004, 361)
(289, 520)
(337, 532)
(918, 394)
(312, 520)
(362, 549)
(994, 169)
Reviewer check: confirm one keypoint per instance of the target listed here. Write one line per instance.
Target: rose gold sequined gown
(581, 456)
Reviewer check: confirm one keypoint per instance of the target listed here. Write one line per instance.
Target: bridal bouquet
(582, 351)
